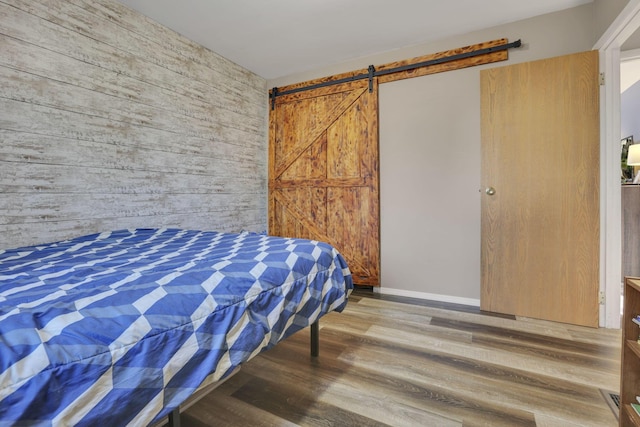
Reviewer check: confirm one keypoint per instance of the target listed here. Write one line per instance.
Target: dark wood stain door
(323, 172)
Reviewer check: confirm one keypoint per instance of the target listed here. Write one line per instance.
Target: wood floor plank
(338, 389)
(462, 374)
(490, 383)
(532, 364)
(535, 326)
(526, 343)
(406, 390)
(399, 362)
(297, 404)
(219, 409)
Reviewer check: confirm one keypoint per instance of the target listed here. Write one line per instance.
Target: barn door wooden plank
(488, 58)
(323, 119)
(323, 172)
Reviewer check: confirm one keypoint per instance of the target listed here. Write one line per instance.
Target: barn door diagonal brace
(372, 72)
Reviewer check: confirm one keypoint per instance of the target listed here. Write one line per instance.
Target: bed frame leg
(315, 338)
(174, 418)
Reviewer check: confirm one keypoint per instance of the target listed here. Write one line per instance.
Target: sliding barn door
(540, 201)
(323, 172)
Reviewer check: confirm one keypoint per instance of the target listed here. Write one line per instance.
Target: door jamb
(610, 133)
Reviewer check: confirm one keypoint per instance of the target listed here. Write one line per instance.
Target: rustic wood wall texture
(109, 120)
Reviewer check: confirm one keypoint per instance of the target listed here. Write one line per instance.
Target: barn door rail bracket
(274, 95)
(372, 72)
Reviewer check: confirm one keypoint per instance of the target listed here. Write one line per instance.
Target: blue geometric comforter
(119, 328)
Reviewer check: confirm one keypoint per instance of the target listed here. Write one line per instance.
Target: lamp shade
(633, 157)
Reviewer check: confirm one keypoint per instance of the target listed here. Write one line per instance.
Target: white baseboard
(427, 296)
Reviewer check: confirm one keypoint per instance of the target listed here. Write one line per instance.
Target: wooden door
(540, 152)
(323, 172)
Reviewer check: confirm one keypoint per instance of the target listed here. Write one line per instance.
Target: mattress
(120, 328)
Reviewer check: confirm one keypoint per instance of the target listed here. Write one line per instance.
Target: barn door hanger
(372, 74)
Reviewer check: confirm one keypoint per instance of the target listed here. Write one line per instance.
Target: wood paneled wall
(109, 120)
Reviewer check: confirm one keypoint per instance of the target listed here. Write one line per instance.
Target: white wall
(605, 11)
(630, 112)
(430, 173)
(437, 255)
(430, 156)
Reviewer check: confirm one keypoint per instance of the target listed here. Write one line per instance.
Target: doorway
(619, 32)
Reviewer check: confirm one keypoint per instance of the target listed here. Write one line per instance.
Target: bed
(121, 327)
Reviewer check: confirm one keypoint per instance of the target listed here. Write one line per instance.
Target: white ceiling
(275, 38)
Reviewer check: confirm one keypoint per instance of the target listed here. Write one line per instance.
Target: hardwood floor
(403, 362)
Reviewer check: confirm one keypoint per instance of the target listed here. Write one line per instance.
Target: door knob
(490, 191)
